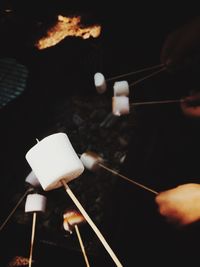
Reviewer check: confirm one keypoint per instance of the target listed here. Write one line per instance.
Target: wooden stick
(127, 179)
(169, 101)
(135, 72)
(32, 239)
(14, 209)
(82, 246)
(146, 77)
(91, 223)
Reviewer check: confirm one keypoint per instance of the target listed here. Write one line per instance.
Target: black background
(162, 142)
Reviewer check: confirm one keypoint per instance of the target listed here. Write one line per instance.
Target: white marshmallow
(35, 202)
(32, 179)
(53, 159)
(91, 160)
(67, 227)
(120, 105)
(100, 82)
(121, 88)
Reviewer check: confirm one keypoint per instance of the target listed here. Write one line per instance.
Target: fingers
(190, 106)
(180, 205)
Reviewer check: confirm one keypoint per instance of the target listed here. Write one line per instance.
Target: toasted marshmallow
(91, 160)
(100, 82)
(53, 159)
(72, 218)
(120, 105)
(35, 203)
(121, 88)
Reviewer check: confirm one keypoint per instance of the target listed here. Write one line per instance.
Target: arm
(180, 205)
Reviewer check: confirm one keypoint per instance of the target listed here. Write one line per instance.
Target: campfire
(65, 27)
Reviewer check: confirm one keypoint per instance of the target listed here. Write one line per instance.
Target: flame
(67, 26)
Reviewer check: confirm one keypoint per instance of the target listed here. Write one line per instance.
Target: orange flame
(64, 27)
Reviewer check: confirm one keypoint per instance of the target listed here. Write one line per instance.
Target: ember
(18, 261)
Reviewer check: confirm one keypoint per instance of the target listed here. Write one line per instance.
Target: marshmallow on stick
(53, 159)
(120, 105)
(121, 88)
(34, 203)
(32, 180)
(72, 218)
(71, 221)
(91, 160)
(55, 163)
(100, 82)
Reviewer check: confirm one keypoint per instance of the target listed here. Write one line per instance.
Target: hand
(182, 47)
(191, 106)
(180, 205)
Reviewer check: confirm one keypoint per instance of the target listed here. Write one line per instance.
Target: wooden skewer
(91, 223)
(81, 245)
(32, 240)
(127, 179)
(135, 72)
(14, 209)
(169, 101)
(146, 77)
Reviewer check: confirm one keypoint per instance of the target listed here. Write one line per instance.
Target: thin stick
(134, 72)
(32, 240)
(146, 77)
(127, 179)
(156, 102)
(14, 209)
(91, 223)
(82, 246)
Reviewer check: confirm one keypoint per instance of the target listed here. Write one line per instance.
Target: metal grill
(13, 78)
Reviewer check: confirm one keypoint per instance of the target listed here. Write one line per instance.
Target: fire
(67, 26)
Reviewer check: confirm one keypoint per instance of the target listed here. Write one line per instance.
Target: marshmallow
(53, 159)
(67, 227)
(121, 88)
(32, 179)
(72, 218)
(100, 82)
(120, 105)
(35, 202)
(91, 160)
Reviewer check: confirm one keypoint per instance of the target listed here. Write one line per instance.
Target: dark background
(157, 142)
